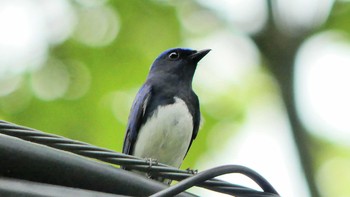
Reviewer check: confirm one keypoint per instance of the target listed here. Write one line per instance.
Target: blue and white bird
(165, 115)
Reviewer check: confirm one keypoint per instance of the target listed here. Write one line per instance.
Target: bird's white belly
(166, 135)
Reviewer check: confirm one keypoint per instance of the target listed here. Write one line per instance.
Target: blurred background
(274, 90)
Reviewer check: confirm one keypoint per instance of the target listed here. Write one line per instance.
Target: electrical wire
(203, 179)
(217, 171)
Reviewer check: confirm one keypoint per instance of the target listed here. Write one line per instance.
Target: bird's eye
(174, 55)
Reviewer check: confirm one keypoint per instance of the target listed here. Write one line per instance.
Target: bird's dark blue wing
(196, 114)
(196, 118)
(135, 118)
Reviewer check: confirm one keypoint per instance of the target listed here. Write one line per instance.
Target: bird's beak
(198, 55)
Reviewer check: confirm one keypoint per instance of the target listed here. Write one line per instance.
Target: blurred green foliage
(121, 65)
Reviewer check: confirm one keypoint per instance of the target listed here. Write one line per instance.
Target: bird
(165, 116)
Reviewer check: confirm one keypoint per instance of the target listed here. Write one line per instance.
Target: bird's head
(179, 62)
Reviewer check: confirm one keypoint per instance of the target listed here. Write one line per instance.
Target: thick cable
(131, 162)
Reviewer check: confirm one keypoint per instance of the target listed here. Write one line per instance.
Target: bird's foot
(192, 171)
(151, 162)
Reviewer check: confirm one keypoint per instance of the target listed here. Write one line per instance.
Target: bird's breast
(166, 135)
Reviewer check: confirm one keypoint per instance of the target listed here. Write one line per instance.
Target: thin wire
(131, 162)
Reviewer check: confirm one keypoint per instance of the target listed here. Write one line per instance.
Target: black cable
(135, 163)
(211, 173)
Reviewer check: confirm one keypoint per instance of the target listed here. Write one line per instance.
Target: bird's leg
(192, 171)
(150, 162)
